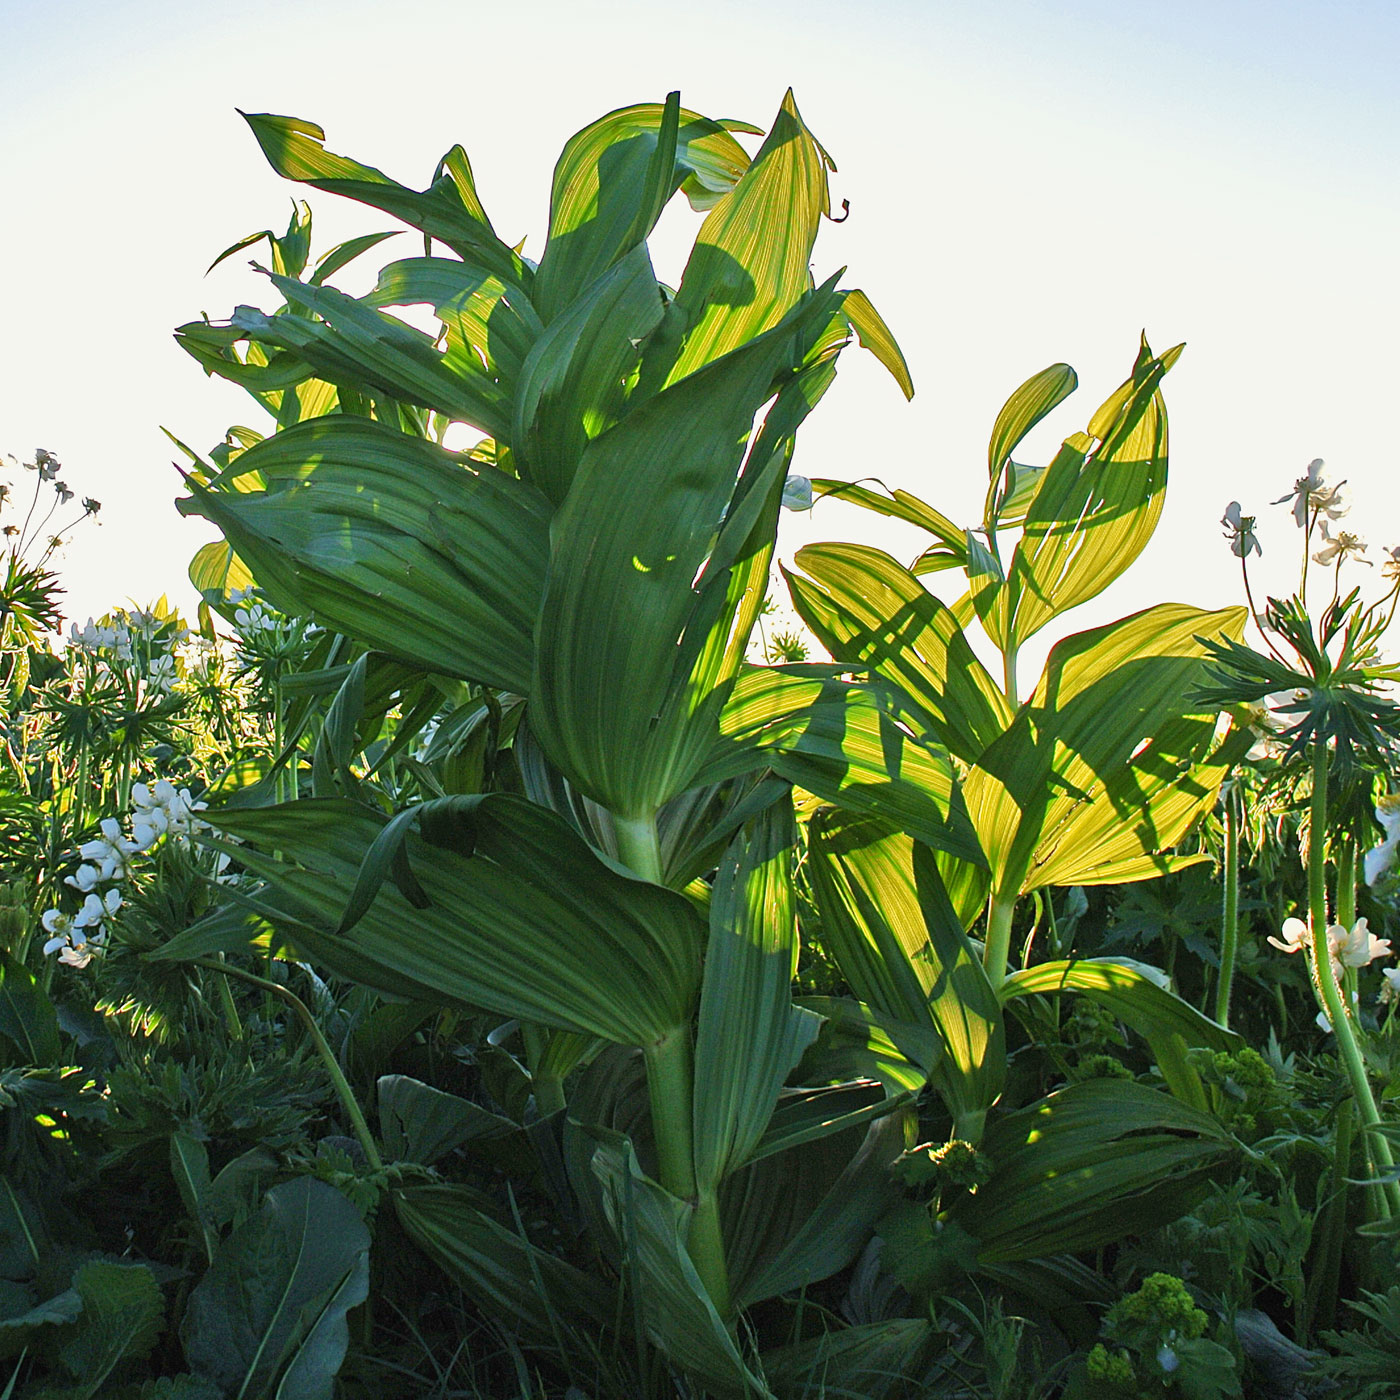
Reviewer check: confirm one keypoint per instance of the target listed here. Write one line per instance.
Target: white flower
(58, 924)
(160, 675)
(1357, 946)
(84, 879)
(1342, 546)
(110, 851)
(1390, 987)
(1239, 530)
(1295, 934)
(1316, 492)
(1380, 858)
(797, 493)
(1391, 568)
(1167, 1359)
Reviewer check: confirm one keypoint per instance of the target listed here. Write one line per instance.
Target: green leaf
(268, 1319)
(874, 335)
(1105, 697)
(749, 1034)
(875, 1361)
(531, 924)
(122, 1313)
(389, 539)
(611, 183)
(1022, 411)
(633, 591)
(189, 1163)
(357, 347)
(1134, 993)
(25, 1320)
(951, 549)
(507, 1276)
(869, 611)
(676, 1309)
(859, 1043)
(797, 1217)
(902, 950)
(751, 261)
(294, 150)
(418, 1123)
(1088, 1166)
(1097, 504)
(487, 321)
(849, 744)
(574, 383)
(27, 1017)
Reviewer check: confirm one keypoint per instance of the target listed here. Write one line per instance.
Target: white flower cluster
(115, 641)
(157, 811)
(256, 617)
(137, 639)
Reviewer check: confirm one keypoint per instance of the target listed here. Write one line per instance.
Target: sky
(1029, 183)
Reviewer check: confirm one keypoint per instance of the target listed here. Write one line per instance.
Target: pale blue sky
(1029, 182)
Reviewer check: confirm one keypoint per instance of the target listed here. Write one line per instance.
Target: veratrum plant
(602, 555)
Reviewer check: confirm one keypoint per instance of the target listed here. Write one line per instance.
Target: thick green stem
(343, 1091)
(998, 949)
(671, 1087)
(1229, 910)
(1376, 1146)
(1008, 675)
(548, 1088)
(639, 846)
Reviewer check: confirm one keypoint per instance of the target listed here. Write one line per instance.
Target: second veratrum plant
(586, 578)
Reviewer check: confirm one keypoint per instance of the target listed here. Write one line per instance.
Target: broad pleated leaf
(870, 611)
(532, 924)
(294, 150)
(749, 1034)
(874, 335)
(1103, 697)
(1136, 997)
(847, 743)
(504, 1274)
(418, 1123)
(797, 1217)
(624, 619)
(951, 550)
(902, 949)
(574, 382)
(1139, 809)
(751, 261)
(1092, 1164)
(358, 347)
(393, 541)
(857, 1042)
(676, 1308)
(1006, 500)
(875, 1361)
(216, 571)
(1097, 504)
(611, 183)
(488, 322)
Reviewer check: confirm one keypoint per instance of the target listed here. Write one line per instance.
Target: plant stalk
(639, 846)
(1377, 1147)
(671, 1088)
(998, 949)
(1229, 910)
(341, 1085)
